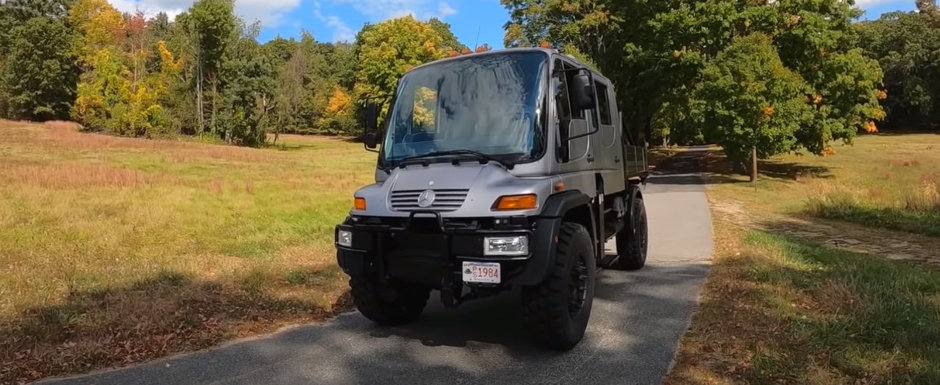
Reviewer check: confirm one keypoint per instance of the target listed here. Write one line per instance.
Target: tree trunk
(754, 165)
(199, 100)
(215, 97)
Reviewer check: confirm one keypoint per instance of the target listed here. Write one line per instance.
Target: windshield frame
(542, 124)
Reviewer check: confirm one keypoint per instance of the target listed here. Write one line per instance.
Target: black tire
(633, 240)
(394, 305)
(556, 312)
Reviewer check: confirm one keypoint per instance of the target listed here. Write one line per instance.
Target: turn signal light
(360, 204)
(516, 202)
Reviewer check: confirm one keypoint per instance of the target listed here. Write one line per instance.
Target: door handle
(616, 158)
(590, 158)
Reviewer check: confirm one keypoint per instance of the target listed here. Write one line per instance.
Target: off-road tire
(633, 240)
(549, 309)
(394, 305)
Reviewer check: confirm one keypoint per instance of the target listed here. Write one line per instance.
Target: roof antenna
(477, 43)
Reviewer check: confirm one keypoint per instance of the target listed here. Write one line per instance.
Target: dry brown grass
(116, 250)
(63, 176)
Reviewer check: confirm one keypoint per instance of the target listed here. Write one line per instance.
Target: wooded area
(203, 73)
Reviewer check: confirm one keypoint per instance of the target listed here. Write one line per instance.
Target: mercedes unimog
(496, 170)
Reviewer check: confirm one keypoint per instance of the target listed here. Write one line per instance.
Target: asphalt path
(636, 323)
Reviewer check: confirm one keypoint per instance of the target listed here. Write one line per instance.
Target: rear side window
(603, 101)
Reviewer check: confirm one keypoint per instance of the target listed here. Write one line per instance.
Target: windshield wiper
(481, 157)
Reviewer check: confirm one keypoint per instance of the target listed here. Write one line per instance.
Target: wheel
(393, 305)
(633, 239)
(556, 312)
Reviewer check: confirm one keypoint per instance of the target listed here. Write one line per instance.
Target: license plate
(481, 272)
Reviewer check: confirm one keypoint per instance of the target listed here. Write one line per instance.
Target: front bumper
(429, 250)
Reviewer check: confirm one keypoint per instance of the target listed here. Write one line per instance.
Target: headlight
(506, 245)
(344, 238)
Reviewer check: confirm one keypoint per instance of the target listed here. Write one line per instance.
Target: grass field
(827, 273)
(117, 250)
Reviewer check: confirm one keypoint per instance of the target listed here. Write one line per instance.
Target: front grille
(445, 200)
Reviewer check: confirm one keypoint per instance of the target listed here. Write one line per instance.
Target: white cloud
(341, 31)
(444, 10)
(270, 12)
(378, 10)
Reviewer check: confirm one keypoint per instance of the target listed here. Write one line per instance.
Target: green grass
(846, 208)
(861, 315)
(91, 226)
(781, 309)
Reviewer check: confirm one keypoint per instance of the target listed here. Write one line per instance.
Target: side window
(560, 90)
(575, 113)
(603, 101)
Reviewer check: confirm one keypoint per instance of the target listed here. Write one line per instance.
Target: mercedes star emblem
(426, 199)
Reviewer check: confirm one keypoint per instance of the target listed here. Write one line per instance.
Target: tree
(120, 91)
(928, 8)
(907, 46)
(291, 90)
(755, 105)
(248, 84)
(448, 39)
(17, 12)
(626, 40)
(211, 26)
(388, 49)
(656, 52)
(39, 73)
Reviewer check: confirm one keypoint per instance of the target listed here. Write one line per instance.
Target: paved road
(637, 320)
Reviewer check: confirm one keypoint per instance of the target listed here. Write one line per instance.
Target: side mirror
(371, 140)
(369, 131)
(582, 93)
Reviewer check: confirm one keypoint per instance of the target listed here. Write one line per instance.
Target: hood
(437, 176)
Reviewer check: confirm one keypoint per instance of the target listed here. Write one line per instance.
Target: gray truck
(496, 170)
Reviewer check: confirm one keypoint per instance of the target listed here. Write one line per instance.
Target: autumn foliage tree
(117, 93)
(390, 48)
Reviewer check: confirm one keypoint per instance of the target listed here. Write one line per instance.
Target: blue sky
(473, 21)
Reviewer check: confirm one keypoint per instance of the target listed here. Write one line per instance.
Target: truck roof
(547, 51)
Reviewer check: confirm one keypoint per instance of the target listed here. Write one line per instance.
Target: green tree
(211, 27)
(907, 45)
(449, 41)
(39, 75)
(755, 105)
(17, 12)
(292, 92)
(248, 84)
(656, 51)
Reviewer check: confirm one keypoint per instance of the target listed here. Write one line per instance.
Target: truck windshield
(491, 104)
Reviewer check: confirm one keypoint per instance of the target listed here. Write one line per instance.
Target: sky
(473, 21)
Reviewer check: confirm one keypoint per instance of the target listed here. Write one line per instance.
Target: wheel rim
(577, 287)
